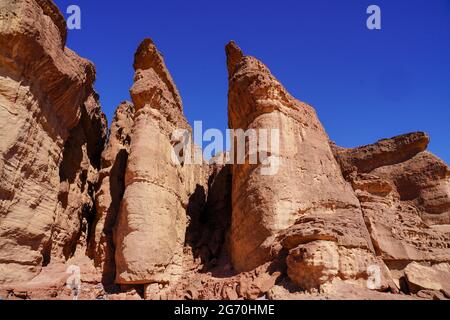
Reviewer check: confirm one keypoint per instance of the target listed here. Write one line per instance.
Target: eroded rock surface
(110, 190)
(52, 131)
(307, 200)
(327, 223)
(152, 221)
(405, 198)
(432, 278)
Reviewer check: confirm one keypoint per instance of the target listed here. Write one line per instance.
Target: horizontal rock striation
(383, 153)
(406, 202)
(405, 198)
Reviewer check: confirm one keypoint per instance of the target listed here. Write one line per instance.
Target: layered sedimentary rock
(383, 153)
(152, 221)
(405, 196)
(306, 215)
(306, 203)
(52, 131)
(111, 187)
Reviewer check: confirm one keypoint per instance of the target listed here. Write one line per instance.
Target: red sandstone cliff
(370, 222)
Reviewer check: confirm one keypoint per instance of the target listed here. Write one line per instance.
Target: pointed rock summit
(234, 56)
(149, 64)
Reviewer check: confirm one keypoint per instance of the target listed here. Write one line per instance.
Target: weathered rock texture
(350, 222)
(52, 132)
(111, 187)
(152, 222)
(307, 204)
(405, 196)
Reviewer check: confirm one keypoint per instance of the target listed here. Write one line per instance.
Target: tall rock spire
(152, 221)
(307, 205)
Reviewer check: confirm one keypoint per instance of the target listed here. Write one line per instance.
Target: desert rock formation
(370, 222)
(111, 187)
(152, 221)
(405, 196)
(307, 207)
(52, 132)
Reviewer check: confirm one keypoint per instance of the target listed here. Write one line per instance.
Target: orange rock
(52, 132)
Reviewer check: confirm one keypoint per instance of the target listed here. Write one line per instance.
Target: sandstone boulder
(434, 278)
(317, 263)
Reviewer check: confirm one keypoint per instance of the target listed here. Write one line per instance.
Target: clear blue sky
(365, 85)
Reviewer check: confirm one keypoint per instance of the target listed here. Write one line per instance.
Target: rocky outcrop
(306, 201)
(110, 190)
(140, 219)
(52, 131)
(405, 197)
(383, 153)
(152, 221)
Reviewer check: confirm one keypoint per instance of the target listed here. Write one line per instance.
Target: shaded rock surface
(110, 190)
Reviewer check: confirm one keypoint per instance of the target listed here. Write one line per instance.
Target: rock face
(111, 187)
(52, 131)
(78, 175)
(308, 200)
(152, 221)
(405, 197)
(140, 221)
(383, 153)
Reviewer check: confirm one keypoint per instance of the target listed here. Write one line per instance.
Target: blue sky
(365, 85)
